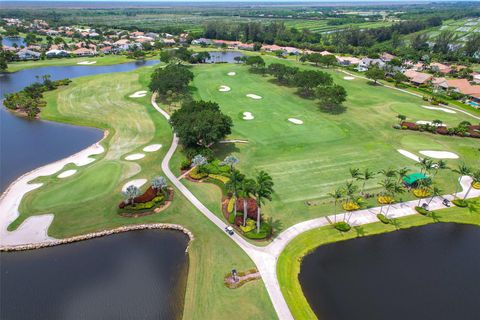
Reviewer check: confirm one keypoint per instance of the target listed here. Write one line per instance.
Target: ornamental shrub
(146, 205)
(397, 126)
(342, 226)
(230, 205)
(460, 203)
(384, 219)
(249, 226)
(185, 165)
(220, 178)
(194, 174)
(404, 127)
(265, 232)
(350, 206)
(422, 211)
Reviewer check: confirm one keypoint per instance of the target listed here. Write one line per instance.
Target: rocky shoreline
(102, 233)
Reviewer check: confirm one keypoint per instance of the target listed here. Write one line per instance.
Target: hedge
(219, 177)
(230, 205)
(146, 205)
(265, 232)
(460, 203)
(249, 226)
(384, 219)
(342, 226)
(422, 211)
(194, 174)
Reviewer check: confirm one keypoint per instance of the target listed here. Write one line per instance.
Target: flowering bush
(231, 202)
(218, 177)
(350, 206)
(476, 185)
(421, 193)
(385, 200)
(249, 226)
(194, 174)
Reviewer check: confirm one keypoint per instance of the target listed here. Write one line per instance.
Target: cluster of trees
(172, 79)
(310, 83)
(200, 124)
(159, 184)
(30, 100)
(327, 60)
(183, 54)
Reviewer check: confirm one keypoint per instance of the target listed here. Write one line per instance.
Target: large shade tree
(200, 124)
(173, 78)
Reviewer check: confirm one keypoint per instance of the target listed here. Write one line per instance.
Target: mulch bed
(160, 208)
(474, 131)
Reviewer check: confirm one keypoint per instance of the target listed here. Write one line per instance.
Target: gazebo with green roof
(413, 178)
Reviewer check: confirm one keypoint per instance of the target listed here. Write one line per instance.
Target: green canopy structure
(411, 179)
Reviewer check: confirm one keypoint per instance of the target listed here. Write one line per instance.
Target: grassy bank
(87, 201)
(289, 262)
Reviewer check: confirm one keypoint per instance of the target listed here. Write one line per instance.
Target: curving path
(266, 257)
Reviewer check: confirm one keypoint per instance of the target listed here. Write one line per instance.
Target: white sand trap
(67, 173)
(224, 89)
(348, 78)
(135, 156)
(137, 183)
(439, 108)
(296, 121)
(439, 154)
(409, 155)
(248, 116)
(138, 94)
(86, 62)
(231, 73)
(152, 148)
(254, 96)
(430, 123)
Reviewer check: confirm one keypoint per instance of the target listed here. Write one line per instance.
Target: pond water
(29, 144)
(133, 275)
(223, 56)
(429, 272)
(10, 41)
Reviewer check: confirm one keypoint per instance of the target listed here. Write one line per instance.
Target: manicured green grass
(101, 61)
(87, 201)
(308, 161)
(289, 262)
(322, 26)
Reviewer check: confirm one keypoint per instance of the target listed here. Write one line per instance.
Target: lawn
(321, 26)
(87, 201)
(289, 262)
(308, 161)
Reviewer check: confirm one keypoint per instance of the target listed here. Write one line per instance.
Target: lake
(429, 272)
(132, 275)
(10, 41)
(29, 144)
(223, 56)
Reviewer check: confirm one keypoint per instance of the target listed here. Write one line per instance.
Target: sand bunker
(135, 156)
(224, 89)
(86, 62)
(138, 94)
(439, 108)
(348, 78)
(409, 155)
(439, 154)
(296, 121)
(248, 116)
(254, 96)
(231, 73)
(137, 183)
(67, 173)
(152, 148)
(430, 123)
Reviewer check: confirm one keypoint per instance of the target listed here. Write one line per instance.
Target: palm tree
(462, 170)
(245, 190)
(426, 164)
(394, 189)
(476, 179)
(159, 184)
(388, 173)
(387, 185)
(336, 195)
(355, 173)
(349, 190)
(130, 193)
(440, 165)
(233, 184)
(263, 191)
(365, 176)
(402, 173)
(424, 184)
(231, 161)
(436, 192)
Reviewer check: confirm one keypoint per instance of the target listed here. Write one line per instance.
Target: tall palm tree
(159, 184)
(436, 192)
(130, 193)
(263, 191)
(246, 190)
(426, 164)
(387, 185)
(394, 189)
(365, 176)
(476, 179)
(402, 173)
(235, 177)
(232, 185)
(423, 184)
(440, 165)
(462, 170)
(337, 195)
(388, 173)
(349, 190)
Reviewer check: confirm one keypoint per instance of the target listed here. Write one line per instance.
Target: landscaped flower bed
(385, 200)
(194, 174)
(421, 193)
(342, 226)
(476, 185)
(350, 206)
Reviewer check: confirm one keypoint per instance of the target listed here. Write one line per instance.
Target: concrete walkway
(265, 258)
